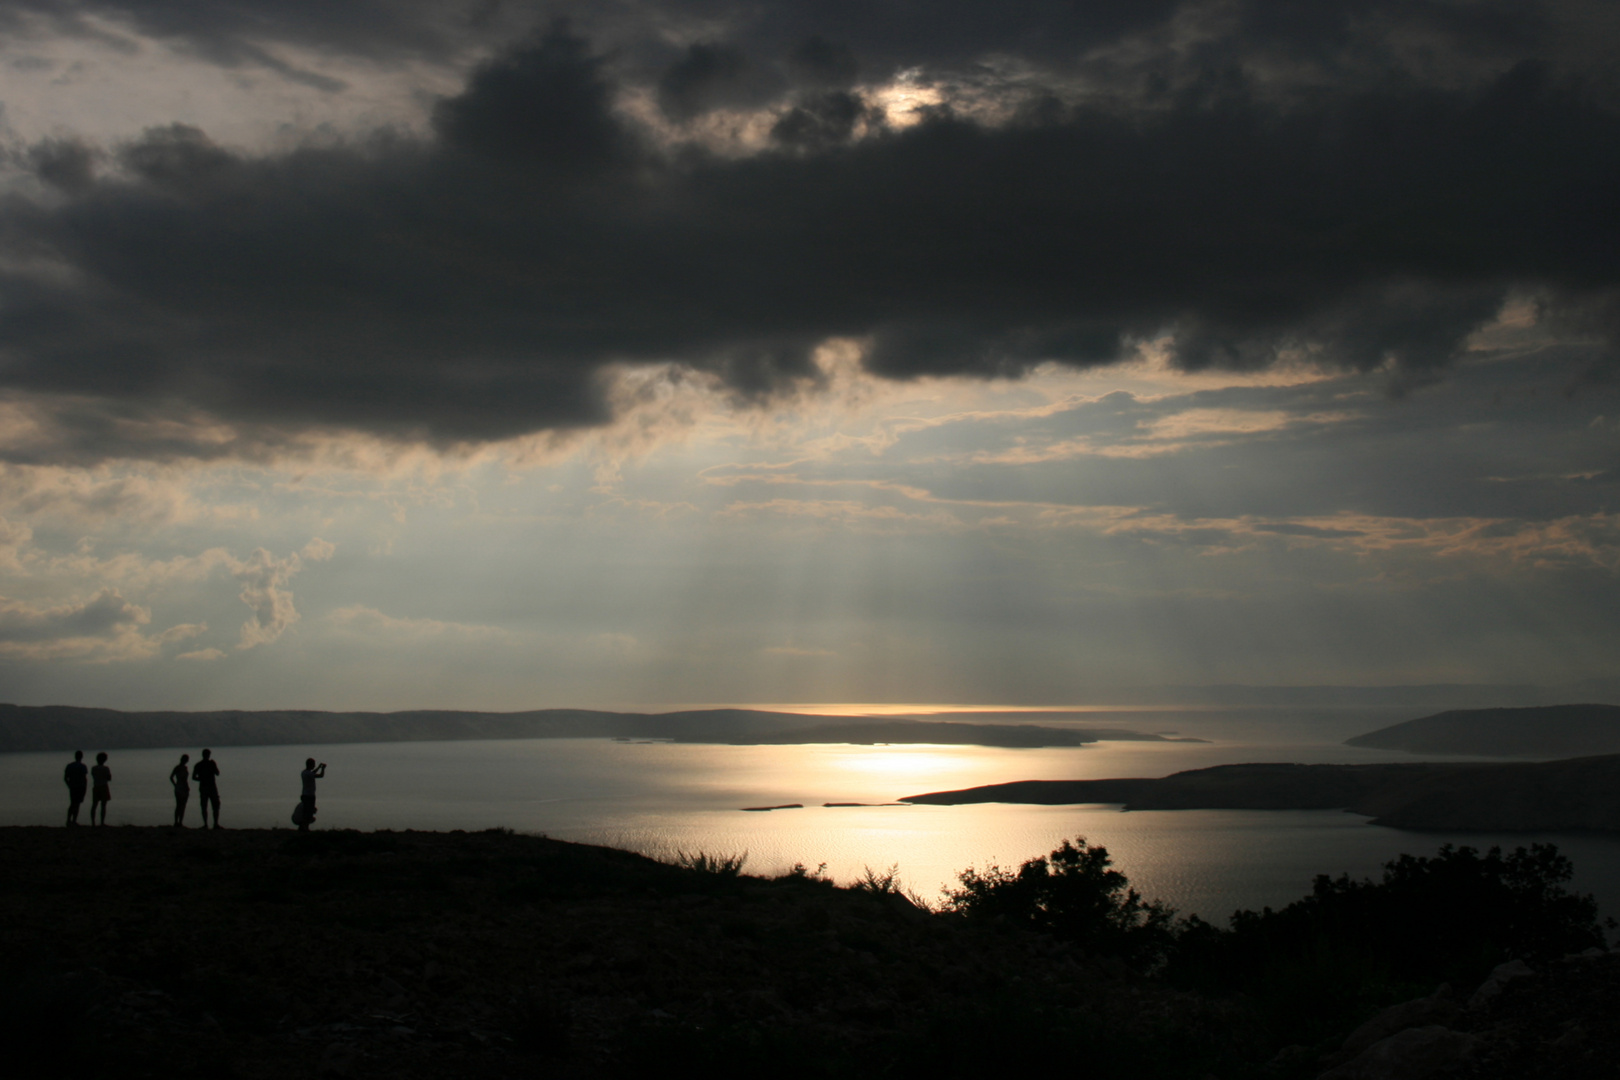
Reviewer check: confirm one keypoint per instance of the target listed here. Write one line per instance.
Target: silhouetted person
(307, 801)
(77, 778)
(100, 788)
(179, 779)
(207, 776)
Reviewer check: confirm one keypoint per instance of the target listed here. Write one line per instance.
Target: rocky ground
(263, 953)
(1556, 1022)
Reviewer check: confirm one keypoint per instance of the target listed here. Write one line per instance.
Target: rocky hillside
(1555, 1022)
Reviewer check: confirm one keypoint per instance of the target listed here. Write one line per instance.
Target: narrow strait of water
(663, 798)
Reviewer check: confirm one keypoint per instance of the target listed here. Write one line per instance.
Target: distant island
(1546, 731)
(1553, 796)
(61, 727)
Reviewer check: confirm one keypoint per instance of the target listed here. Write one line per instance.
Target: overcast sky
(499, 355)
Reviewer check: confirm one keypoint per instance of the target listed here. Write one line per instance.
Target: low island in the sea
(1575, 793)
(1543, 796)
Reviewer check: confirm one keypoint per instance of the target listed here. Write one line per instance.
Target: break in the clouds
(962, 191)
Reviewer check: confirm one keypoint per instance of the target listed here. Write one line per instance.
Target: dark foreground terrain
(151, 952)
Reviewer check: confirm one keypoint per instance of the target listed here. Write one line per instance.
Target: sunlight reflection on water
(661, 798)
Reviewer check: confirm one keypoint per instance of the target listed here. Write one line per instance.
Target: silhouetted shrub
(1073, 894)
(1349, 947)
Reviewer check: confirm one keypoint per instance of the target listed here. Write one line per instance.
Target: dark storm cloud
(473, 284)
(546, 107)
(707, 77)
(822, 119)
(63, 163)
(819, 62)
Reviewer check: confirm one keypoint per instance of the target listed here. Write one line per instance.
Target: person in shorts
(207, 776)
(77, 778)
(100, 788)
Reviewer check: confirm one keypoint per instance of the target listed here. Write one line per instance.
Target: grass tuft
(880, 883)
(703, 862)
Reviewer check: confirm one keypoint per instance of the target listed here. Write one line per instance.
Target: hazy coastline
(59, 727)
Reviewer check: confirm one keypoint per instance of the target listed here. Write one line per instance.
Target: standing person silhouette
(179, 779)
(207, 776)
(77, 778)
(307, 800)
(100, 787)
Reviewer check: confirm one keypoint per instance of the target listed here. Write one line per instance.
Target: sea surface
(664, 799)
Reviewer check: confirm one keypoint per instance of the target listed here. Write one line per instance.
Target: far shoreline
(1572, 795)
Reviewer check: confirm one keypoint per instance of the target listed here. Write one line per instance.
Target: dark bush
(1326, 960)
(1073, 894)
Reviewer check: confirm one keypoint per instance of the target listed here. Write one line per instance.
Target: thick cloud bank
(1280, 186)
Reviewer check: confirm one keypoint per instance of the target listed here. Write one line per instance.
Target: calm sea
(663, 798)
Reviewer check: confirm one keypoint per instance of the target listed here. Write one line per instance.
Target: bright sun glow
(898, 762)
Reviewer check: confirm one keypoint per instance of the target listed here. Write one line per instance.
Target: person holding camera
(306, 803)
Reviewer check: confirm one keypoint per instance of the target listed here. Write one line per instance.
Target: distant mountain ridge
(65, 727)
(1544, 731)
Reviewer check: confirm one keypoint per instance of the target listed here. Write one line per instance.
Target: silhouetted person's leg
(77, 778)
(206, 773)
(181, 797)
(101, 788)
(207, 798)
